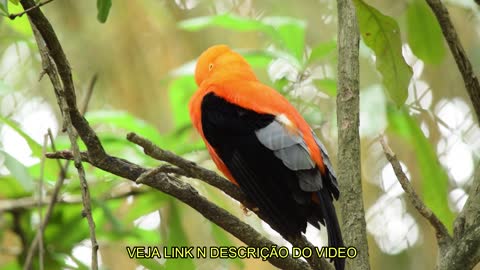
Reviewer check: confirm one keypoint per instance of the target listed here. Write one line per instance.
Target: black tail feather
(333, 228)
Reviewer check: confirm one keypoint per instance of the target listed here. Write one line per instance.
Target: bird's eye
(210, 66)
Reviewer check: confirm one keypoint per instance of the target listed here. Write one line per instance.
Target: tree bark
(349, 168)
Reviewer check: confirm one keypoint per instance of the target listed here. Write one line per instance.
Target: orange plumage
(262, 144)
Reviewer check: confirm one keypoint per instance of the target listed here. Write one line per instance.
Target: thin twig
(48, 214)
(190, 169)
(441, 231)
(46, 63)
(20, 14)
(27, 203)
(40, 199)
(463, 63)
(54, 148)
(91, 86)
(77, 160)
(52, 50)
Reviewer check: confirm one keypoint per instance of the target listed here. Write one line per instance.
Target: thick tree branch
(189, 169)
(464, 253)
(349, 168)
(47, 65)
(171, 185)
(470, 215)
(469, 78)
(443, 236)
(51, 69)
(55, 51)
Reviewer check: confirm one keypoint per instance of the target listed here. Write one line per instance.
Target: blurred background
(144, 56)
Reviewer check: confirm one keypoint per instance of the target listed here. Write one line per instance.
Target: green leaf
(20, 25)
(150, 264)
(382, 34)
(286, 32)
(322, 50)
(11, 265)
(103, 8)
(227, 21)
(126, 121)
(67, 227)
(434, 182)
(258, 58)
(10, 187)
(289, 33)
(144, 204)
(19, 171)
(4, 7)
(177, 237)
(117, 227)
(329, 86)
(424, 34)
(34, 146)
(15, 2)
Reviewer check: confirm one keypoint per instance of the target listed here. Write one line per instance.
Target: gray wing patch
(274, 137)
(295, 157)
(290, 148)
(332, 184)
(323, 150)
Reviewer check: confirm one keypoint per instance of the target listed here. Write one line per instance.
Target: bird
(262, 144)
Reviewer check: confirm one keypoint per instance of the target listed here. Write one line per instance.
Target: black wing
(272, 166)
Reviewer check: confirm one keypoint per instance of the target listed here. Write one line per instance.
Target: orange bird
(262, 144)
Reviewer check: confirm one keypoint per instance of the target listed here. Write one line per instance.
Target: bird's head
(220, 60)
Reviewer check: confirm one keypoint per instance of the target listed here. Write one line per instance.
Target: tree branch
(463, 251)
(470, 80)
(349, 168)
(27, 203)
(46, 63)
(190, 196)
(20, 14)
(442, 234)
(39, 202)
(171, 185)
(51, 69)
(189, 168)
(470, 215)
